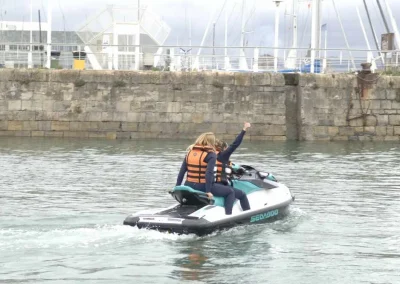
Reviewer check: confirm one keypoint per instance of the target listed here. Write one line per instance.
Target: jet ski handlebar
(245, 170)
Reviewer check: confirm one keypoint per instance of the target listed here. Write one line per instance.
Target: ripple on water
(98, 236)
(63, 203)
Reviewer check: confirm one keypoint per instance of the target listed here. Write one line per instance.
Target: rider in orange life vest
(224, 165)
(199, 164)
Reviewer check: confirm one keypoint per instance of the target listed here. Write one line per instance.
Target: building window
(23, 47)
(19, 47)
(37, 47)
(2, 47)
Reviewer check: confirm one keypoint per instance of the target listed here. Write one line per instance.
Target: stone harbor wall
(348, 107)
(136, 105)
(117, 104)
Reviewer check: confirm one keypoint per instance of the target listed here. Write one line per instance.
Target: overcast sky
(260, 14)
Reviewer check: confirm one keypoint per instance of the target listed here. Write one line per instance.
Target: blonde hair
(206, 139)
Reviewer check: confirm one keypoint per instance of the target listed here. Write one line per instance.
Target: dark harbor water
(62, 203)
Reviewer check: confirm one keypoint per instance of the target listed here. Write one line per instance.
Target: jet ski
(196, 214)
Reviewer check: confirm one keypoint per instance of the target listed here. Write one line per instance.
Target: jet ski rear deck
(195, 213)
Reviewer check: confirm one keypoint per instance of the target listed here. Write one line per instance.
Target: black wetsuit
(224, 157)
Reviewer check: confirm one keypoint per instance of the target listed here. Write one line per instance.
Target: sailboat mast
(190, 30)
(373, 32)
(49, 24)
(394, 24)
(226, 62)
(242, 55)
(383, 16)
(243, 25)
(363, 29)
(344, 34)
(138, 10)
(30, 37)
(315, 31)
(294, 22)
(276, 40)
(40, 40)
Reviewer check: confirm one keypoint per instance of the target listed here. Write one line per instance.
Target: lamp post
(30, 38)
(277, 3)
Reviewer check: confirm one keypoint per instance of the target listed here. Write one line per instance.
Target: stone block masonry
(332, 107)
(134, 105)
(137, 105)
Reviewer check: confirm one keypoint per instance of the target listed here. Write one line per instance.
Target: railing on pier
(184, 58)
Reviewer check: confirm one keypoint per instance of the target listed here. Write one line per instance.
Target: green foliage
(391, 73)
(79, 83)
(119, 84)
(77, 109)
(217, 84)
(176, 87)
(24, 81)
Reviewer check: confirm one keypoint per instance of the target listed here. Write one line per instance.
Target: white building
(124, 38)
(116, 38)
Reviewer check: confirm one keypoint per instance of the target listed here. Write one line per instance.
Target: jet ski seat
(186, 195)
(189, 196)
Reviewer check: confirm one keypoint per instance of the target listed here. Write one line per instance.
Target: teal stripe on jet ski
(245, 186)
(187, 188)
(218, 201)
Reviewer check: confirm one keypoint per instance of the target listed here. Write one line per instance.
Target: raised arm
(225, 155)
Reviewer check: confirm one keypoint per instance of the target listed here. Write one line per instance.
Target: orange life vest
(196, 167)
(224, 171)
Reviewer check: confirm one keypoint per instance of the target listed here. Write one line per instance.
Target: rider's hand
(241, 171)
(246, 125)
(210, 195)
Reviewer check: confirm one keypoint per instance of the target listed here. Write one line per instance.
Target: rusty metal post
(366, 79)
